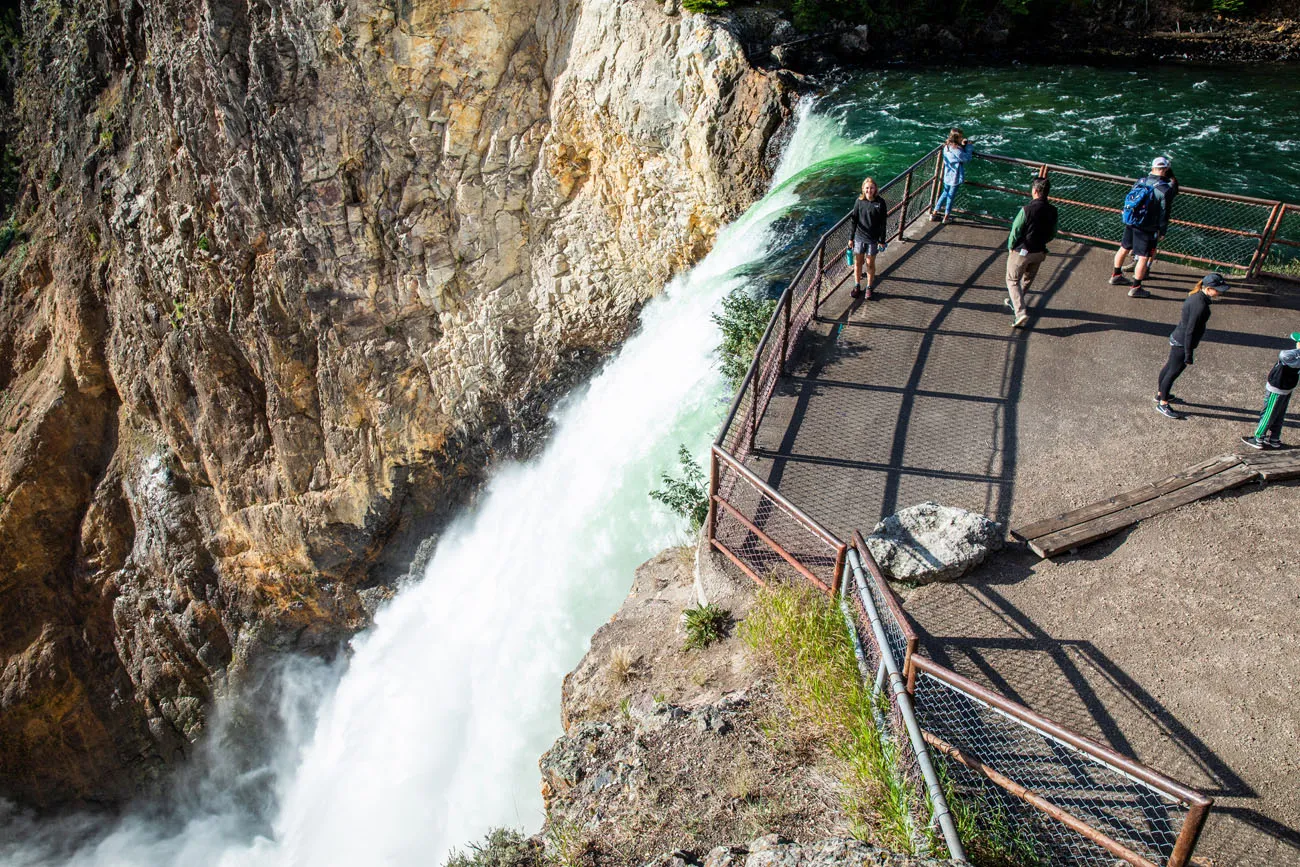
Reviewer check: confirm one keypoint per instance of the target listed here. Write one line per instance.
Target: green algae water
(1233, 130)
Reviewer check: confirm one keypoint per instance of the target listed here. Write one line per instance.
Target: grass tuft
(705, 624)
(620, 663)
(800, 634)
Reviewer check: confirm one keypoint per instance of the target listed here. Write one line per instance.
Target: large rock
(930, 542)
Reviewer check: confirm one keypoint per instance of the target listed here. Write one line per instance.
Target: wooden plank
(1181, 479)
(1108, 525)
(1275, 466)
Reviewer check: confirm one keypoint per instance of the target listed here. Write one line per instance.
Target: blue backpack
(1138, 202)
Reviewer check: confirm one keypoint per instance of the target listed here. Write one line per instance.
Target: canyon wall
(287, 275)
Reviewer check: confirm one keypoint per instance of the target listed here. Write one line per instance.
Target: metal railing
(1024, 789)
(754, 527)
(1207, 227)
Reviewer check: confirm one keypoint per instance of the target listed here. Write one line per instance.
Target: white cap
(1160, 163)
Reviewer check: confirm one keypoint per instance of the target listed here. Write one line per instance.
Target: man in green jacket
(1033, 228)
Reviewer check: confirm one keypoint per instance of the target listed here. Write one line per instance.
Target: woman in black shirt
(870, 216)
(1186, 337)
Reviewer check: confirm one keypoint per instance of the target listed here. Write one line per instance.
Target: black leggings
(1173, 367)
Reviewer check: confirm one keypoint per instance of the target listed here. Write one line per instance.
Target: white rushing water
(432, 734)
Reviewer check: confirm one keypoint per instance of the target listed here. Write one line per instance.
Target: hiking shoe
(1138, 292)
(856, 292)
(1169, 412)
(947, 218)
(1254, 442)
(1020, 321)
(1272, 443)
(1119, 280)
(936, 217)
(867, 295)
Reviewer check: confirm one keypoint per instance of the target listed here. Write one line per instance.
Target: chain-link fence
(1024, 790)
(1280, 256)
(765, 536)
(1206, 227)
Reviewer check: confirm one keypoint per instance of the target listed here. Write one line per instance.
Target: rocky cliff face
(288, 274)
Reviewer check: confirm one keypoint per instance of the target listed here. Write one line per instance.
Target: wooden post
(902, 217)
(712, 522)
(821, 274)
(1265, 240)
(785, 328)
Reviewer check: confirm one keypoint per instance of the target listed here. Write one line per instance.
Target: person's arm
(1198, 331)
(1052, 225)
(1017, 231)
(1166, 208)
(963, 154)
(1187, 326)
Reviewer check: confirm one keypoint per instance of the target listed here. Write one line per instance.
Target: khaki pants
(1021, 271)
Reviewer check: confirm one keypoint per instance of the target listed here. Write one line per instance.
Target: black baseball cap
(1214, 280)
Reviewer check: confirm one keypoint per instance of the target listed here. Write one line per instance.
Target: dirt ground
(1176, 641)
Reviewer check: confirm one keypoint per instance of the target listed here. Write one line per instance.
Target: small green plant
(706, 7)
(1229, 7)
(687, 496)
(8, 233)
(991, 835)
(567, 845)
(203, 243)
(742, 321)
(705, 624)
(177, 315)
(502, 847)
(625, 707)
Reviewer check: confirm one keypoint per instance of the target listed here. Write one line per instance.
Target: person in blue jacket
(956, 153)
(1282, 381)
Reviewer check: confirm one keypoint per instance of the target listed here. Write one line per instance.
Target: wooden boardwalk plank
(1110, 524)
(1092, 511)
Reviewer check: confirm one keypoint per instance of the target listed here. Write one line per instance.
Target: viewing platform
(1162, 642)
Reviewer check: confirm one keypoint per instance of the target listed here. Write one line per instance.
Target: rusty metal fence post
(1266, 240)
(907, 195)
(785, 330)
(821, 274)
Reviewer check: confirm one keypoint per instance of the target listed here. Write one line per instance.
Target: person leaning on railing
(957, 151)
(1033, 228)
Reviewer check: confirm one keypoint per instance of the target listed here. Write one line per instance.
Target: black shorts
(1141, 242)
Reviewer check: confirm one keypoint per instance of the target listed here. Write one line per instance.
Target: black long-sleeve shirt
(870, 219)
(1191, 327)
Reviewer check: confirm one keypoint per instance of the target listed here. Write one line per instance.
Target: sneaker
(1168, 411)
(1272, 443)
(936, 217)
(1138, 292)
(867, 295)
(1119, 280)
(947, 218)
(1253, 442)
(856, 292)
(1020, 321)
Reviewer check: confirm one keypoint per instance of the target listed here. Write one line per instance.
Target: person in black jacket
(1186, 337)
(1033, 228)
(870, 216)
(1282, 381)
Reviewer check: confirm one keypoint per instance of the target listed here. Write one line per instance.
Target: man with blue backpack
(1146, 221)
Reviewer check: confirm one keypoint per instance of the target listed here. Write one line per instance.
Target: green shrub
(1229, 7)
(502, 847)
(743, 320)
(203, 243)
(705, 624)
(687, 496)
(706, 7)
(7, 235)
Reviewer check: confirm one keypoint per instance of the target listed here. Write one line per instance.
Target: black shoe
(1270, 443)
(856, 292)
(1138, 292)
(1169, 412)
(1119, 280)
(1254, 442)
(867, 296)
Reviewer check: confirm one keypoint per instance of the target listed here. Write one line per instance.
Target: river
(431, 735)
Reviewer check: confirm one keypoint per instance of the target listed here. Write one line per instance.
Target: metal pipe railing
(902, 700)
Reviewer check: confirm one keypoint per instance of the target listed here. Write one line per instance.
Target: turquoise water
(1234, 130)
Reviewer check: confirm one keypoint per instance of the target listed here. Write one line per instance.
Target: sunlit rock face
(289, 273)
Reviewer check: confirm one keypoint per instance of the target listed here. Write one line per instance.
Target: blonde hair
(865, 181)
(1197, 288)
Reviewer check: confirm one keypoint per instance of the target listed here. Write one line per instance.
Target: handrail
(826, 535)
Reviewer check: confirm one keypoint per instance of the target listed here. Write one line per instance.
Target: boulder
(929, 542)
